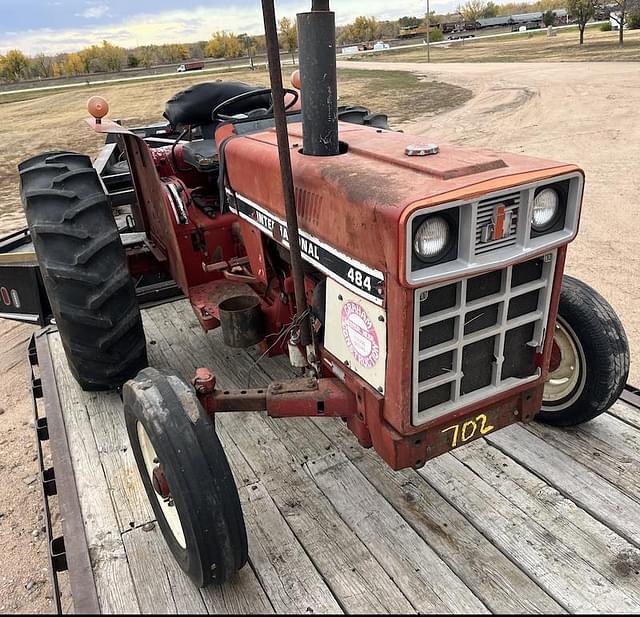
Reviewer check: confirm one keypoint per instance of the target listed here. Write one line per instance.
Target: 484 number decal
(357, 278)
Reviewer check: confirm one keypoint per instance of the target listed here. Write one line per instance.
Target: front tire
(186, 476)
(590, 359)
(84, 269)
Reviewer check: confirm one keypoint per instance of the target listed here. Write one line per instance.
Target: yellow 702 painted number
(465, 431)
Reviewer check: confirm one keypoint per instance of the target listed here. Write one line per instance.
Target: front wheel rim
(565, 384)
(167, 506)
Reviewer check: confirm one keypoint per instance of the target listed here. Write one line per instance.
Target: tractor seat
(201, 155)
(193, 106)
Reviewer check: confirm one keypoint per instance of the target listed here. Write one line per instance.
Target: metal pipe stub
(242, 321)
(318, 80)
(282, 134)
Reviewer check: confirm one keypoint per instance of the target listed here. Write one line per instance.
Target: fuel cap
(421, 149)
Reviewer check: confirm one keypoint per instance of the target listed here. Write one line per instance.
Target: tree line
(106, 57)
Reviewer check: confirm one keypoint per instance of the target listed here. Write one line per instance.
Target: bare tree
(582, 11)
(619, 14)
(472, 9)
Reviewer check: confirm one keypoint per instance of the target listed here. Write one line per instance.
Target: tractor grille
(479, 336)
(485, 214)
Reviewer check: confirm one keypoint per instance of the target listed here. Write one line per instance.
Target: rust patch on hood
(362, 186)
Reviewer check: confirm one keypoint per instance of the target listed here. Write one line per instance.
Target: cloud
(94, 11)
(193, 24)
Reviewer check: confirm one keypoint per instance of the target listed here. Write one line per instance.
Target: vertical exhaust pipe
(318, 80)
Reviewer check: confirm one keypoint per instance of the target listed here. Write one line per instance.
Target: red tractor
(417, 289)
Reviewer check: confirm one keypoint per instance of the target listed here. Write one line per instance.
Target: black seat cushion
(194, 105)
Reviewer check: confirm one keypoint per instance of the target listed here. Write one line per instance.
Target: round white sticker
(360, 334)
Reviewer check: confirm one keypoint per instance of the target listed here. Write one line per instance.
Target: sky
(53, 26)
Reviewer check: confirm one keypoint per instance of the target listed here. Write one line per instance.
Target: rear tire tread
(84, 269)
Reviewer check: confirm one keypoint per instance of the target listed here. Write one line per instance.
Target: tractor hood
(357, 201)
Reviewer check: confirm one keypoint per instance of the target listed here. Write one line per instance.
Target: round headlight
(545, 209)
(432, 238)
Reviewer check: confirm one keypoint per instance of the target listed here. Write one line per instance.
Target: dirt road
(583, 113)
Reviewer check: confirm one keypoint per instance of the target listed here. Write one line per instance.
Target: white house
(614, 20)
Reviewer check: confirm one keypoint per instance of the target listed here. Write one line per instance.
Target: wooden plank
(106, 416)
(626, 413)
(114, 584)
(181, 336)
(351, 572)
(542, 555)
(286, 573)
(241, 595)
(162, 587)
(129, 499)
(587, 489)
(491, 575)
(425, 579)
(600, 547)
(607, 446)
(242, 472)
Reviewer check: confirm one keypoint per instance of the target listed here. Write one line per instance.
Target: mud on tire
(84, 269)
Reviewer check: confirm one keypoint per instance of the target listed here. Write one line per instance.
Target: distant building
(614, 20)
(493, 22)
(521, 19)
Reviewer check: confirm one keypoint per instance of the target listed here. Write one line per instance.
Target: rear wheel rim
(168, 508)
(565, 384)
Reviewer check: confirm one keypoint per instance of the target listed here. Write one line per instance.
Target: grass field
(51, 121)
(535, 47)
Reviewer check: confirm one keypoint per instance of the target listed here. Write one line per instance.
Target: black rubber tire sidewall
(201, 482)
(602, 338)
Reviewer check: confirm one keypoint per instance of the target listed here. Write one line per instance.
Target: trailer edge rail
(67, 552)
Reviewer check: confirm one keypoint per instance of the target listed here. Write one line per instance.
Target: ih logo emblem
(499, 227)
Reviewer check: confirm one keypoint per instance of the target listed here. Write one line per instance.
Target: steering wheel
(216, 115)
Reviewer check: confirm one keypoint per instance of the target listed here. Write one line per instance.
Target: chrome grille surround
(463, 342)
(473, 257)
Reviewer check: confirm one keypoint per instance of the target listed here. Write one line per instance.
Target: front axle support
(307, 396)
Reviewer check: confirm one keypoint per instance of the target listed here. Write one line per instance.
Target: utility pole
(428, 28)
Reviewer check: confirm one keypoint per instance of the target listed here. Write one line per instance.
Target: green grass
(532, 47)
(404, 96)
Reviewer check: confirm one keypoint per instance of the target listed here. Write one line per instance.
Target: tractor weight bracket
(306, 396)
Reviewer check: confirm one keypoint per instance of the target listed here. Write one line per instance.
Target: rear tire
(204, 526)
(594, 363)
(84, 269)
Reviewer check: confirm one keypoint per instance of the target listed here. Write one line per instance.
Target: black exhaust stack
(318, 80)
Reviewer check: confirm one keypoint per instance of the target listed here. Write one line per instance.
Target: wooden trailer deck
(530, 519)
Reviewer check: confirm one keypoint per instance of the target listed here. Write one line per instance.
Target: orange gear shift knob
(98, 107)
(295, 79)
